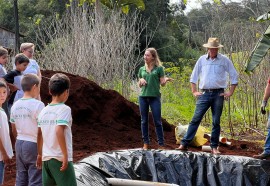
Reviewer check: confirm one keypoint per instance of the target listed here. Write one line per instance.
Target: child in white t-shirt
(6, 151)
(54, 124)
(23, 117)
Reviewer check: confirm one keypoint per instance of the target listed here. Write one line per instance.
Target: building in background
(7, 39)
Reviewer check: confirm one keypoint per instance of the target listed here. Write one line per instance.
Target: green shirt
(153, 81)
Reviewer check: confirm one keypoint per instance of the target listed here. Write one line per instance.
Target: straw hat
(213, 42)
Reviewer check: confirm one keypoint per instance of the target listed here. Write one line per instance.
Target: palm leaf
(264, 17)
(259, 51)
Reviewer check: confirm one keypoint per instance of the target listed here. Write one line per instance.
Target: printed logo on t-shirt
(23, 115)
(23, 108)
(46, 121)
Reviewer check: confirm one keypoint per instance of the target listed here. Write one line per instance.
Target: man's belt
(212, 90)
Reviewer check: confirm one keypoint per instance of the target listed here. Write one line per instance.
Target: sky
(192, 4)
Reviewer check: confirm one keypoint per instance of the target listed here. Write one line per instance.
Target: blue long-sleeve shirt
(214, 73)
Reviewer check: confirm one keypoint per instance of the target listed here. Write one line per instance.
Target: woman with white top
(33, 67)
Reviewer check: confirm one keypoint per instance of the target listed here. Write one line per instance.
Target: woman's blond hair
(154, 53)
(25, 46)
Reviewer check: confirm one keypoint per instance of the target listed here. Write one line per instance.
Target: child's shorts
(51, 174)
(2, 172)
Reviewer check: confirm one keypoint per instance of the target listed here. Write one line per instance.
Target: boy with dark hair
(13, 78)
(55, 136)
(23, 117)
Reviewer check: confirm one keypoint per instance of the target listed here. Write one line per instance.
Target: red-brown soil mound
(103, 121)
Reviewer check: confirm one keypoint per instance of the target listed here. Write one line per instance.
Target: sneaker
(262, 156)
(182, 147)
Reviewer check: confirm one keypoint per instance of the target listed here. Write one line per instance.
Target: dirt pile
(103, 119)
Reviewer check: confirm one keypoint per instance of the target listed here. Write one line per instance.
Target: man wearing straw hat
(211, 70)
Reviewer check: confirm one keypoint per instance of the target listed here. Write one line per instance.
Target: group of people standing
(43, 134)
(211, 73)
(43, 146)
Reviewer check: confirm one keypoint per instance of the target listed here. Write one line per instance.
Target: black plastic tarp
(172, 166)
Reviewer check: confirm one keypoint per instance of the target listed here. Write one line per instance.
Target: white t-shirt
(32, 67)
(4, 134)
(24, 114)
(51, 116)
(3, 71)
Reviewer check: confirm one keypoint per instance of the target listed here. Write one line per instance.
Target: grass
(178, 105)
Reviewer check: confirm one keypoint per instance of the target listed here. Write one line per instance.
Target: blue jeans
(267, 143)
(26, 156)
(155, 105)
(204, 102)
(2, 172)
(267, 140)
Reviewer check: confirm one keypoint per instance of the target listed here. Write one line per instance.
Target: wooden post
(17, 36)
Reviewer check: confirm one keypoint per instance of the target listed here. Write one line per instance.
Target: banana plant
(124, 4)
(261, 47)
(121, 4)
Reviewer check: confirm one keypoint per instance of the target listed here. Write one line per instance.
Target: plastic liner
(88, 175)
(172, 166)
(125, 182)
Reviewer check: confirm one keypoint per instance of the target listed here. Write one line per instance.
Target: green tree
(7, 14)
(124, 4)
(166, 29)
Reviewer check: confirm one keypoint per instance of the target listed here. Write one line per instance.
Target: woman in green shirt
(151, 76)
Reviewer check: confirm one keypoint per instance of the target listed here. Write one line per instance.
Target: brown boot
(262, 156)
(145, 146)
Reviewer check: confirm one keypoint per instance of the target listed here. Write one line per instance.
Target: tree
(102, 51)
(17, 30)
(162, 29)
(124, 4)
(7, 14)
